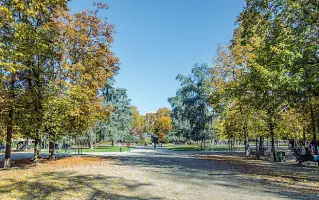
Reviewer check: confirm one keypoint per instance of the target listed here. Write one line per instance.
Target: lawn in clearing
(207, 148)
(107, 149)
(96, 149)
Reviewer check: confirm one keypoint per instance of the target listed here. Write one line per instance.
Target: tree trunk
(313, 128)
(261, 145)
(246, 141)
(51, 150)
(271, 129)
(304, 136)
(256, 144)
(112, 143)
(37, 150)
(91, 145)
(7, 158)
(79, 148)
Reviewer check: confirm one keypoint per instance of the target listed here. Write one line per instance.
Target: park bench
(260, 153)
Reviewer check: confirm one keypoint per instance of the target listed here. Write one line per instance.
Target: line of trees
(53, 63)
(157, 123)
(265, 81)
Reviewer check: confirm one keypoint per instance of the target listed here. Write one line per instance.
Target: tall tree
(149, 122)
(180, 122)
(163, 123)
(119, 124)
(228, 97)
(137, 119)
(193, 95)
(163, 112)
(51, 58)
(27, 33)
(263, 44)
(84, 62)
(301, 22)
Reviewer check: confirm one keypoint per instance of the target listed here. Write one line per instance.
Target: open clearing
(159, 175)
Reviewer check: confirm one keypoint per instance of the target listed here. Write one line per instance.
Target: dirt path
(159, 175)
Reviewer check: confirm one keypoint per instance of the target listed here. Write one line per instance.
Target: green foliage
(119, 123)
(264, 81)
(192, 115)
(149, 121)
(52, 65)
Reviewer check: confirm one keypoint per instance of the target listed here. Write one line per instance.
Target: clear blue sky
(158, 39)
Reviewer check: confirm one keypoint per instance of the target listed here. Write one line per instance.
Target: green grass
(198, 148)
(96, 149)
(107, 149)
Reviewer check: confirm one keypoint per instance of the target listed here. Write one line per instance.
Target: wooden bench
(264, 153)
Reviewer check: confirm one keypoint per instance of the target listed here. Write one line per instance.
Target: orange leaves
(162, 126)
(87, 59)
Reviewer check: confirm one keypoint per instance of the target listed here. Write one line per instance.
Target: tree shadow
(25, 162)
(61, 185)
(260, 175)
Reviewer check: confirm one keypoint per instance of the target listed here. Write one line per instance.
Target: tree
(192, 100)
(52, 59)
(91, 136)
(149, 121)
(162, 127)
(262, 44)
(290, 124)
(227, 97)
(26, 49)
(300, 19)
(163, 112)
(180, 123)
(137, 119)
(119, 124)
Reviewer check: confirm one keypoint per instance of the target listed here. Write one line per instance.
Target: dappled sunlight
(240, 121)
(271, 173)
(67, 178)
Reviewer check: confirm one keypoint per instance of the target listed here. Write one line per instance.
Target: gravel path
(162, 174)
(185, 177)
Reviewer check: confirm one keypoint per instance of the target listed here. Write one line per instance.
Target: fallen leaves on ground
(66, 178)
(287, 175)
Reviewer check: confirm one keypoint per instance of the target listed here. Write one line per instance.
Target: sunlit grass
(108, 149)
(207, 148)
(95, 149)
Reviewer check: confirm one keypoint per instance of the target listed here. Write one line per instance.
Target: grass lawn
(107, 149)
(98, 149)
(198, 148)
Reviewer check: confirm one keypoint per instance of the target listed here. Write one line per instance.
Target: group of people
(309, 147)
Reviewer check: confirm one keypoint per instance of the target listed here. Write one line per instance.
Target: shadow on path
(58, 185)
(266, 177)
